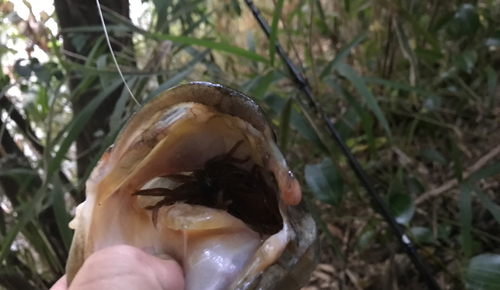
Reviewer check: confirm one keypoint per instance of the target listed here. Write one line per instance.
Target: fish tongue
(214, 246)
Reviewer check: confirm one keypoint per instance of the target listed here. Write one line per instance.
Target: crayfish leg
(153, 192)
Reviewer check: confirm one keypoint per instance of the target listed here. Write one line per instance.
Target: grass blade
(251, 45)
(325, 182)
(179, 77)
(493, 208)
(485, 172)
(116, 117)
(60, 212)
(260, 88)
(483, 272)
(24, 217)
(238, 51)
(431, 39)
(365, 119)
(492, 77)
(341, 55)
(466, 218)
(457, 164)
(298, 122)
(76, 126)
(347, 72)
(274, 30)
(400, 86)
(285, 124)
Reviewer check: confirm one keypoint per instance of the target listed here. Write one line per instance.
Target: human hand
(125, 267)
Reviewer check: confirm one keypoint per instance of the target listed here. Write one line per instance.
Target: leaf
(236, 7)
(347, 72)
(431, 100)
(348, 121)
(492, 77)
(431, 56)
(494, 39)
(175, 80)
(250, 41)
(483, 272)
(343, 53)
(179, 77)
(251, 45)
(320, 22)
(76, 126)
(195, 25)
(431, 39)
(485, 172)
(3, 227)
(274, 30)
(414, 186)
(423, 235)
(347, 5)
(116, 117)
(457, 164)
(285, 124)
(365, 239)
(407, 52)
(23, 70)
(433, 155)
(365, 119)
(466, 218)
(42, 73)
(110, 138)
(402, 207)
(325, 182)
(238, 51)
(464, 22)
(260, 88)
(296, 120)
(444, 231)
(442, 22)
(79, 40)
(493, 208)
(466, 61)
(28, 213)
(161, 8)
(62, 216)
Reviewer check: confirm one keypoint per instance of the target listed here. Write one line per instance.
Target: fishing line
(112, 53)
(303, 85)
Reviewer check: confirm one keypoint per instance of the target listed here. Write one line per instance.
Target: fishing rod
(303, 85)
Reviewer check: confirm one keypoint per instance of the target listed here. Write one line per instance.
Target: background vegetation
(412, 86)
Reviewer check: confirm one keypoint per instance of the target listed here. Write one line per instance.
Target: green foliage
(325, 182)
(402, 207)
(413, 88)
(483, 272)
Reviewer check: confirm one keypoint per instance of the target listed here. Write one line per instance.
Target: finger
(168, 272)
(126, 267)
(61, 284)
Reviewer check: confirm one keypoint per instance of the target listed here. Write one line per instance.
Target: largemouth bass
(196, 175)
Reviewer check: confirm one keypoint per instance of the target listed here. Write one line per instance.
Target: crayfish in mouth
(223, 185)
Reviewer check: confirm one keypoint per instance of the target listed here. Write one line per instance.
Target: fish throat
(222, 184)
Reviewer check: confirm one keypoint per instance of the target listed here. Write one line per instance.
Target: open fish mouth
(196, 175)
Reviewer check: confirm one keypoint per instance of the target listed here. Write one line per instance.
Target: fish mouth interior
(204, 188)
(193, 182)
(212, 200)
(214, 163)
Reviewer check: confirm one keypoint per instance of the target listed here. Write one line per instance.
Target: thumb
(166, 270)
